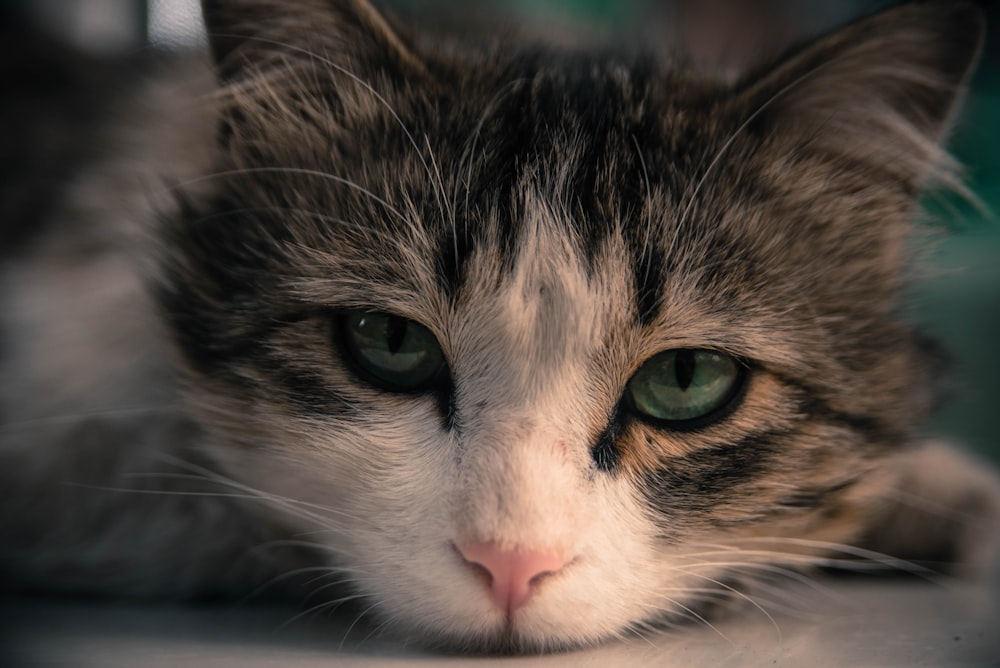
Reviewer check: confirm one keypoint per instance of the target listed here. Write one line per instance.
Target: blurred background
(959, 302)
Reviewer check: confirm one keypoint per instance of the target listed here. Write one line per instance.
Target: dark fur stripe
(811, 498)
(650, 278)
(688, 487)
(453, 253)
(868, 426)
(605, 452)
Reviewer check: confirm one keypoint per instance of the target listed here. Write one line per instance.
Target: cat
(523, 347)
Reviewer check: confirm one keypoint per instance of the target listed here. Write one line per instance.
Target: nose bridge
(524, 403)
(543, 316)
(521, 483)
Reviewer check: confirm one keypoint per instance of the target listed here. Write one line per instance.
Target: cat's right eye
(395, 353)
(684, 388)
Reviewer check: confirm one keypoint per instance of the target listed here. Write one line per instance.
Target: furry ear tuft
(243, 31)
(883, 90)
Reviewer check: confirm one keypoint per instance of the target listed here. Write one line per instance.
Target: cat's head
(543, 346)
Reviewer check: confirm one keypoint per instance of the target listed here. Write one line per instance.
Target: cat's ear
(241, 32)
(883, 89)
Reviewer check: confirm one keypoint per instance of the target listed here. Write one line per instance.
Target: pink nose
(513, 574)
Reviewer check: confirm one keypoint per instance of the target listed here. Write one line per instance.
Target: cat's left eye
(393, 352)
(685, 387)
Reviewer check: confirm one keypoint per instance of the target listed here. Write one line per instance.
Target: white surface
(835, 622)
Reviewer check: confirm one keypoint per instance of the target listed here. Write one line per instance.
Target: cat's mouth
(507, 639)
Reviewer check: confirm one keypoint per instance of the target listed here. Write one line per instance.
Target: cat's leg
(940, 508)
(104, 520)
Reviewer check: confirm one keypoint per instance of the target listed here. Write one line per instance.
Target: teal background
(961, 305)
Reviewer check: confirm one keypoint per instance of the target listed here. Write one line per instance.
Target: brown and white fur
(178, 421)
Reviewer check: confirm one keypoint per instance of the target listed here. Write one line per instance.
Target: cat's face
(545, 347)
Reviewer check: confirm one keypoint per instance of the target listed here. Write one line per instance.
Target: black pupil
(395, 333)
(684, 367)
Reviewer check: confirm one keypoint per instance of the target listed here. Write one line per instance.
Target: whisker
(445, 205)
(375, 631)
(80, 416)
(364, 230)
(736, 133)
(250, 493)
(337, 67)
(647, 204)
(350, 628)
(863, 559)
(287, 575)
(335, 583)
(215, 476)
(740, 594)
(928, 505)
(312, 610)
(680, 609)
(288, 542)
(287, 505)
(304, 171)
(469, 152)
(788, 601)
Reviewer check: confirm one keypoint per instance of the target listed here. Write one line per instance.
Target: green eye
(684, 385)
(398, 354)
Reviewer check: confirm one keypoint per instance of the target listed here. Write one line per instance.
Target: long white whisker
(294, 170)
(863, 559)
(249, 492)
(738, 593)
(364, 230)
(364, 612)
(318, 607)
(69, 418)
(469, 153)
(287, 575)
(445, 204)
(295, 507)
(736, 133)
(284, 505)
(378, 629)
(332, 64)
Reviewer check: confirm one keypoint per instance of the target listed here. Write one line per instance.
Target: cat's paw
(941, 509)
